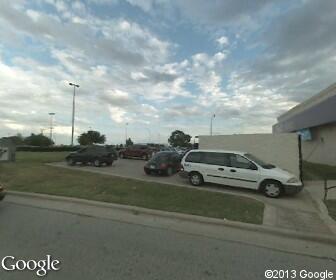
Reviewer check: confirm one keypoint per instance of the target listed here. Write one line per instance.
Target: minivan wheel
(97, 163)
(196, 179)
(272, 189)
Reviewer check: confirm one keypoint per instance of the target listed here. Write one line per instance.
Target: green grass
(316, 171)
(30, 174)
(331, 205)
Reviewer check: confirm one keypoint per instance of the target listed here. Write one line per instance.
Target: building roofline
(310, 102)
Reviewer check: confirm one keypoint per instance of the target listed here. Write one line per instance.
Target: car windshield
(259, 161)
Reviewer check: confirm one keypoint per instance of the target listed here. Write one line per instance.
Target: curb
(327, 239)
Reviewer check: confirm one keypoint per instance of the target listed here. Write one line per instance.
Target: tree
(129, 142)
(91, 137)
(38, 140)
(179, 139)
(16, 139)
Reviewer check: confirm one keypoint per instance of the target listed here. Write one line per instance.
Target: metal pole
(73, 115)
(212, 117)
(211, 126)
(73, 111)
(126, 134)
(149, 134)
(51, 125)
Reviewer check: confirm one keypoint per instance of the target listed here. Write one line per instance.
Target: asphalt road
(97, 248)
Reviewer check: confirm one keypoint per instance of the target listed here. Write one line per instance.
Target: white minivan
(238, 169)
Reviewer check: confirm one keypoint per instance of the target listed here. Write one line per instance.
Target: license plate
(152, 167)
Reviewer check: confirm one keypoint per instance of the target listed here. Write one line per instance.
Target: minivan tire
(272, 188)
(196, 179)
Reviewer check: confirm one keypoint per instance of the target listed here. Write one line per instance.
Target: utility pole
(126, 133)
(51, 125)
(212, 118)
(73, 110)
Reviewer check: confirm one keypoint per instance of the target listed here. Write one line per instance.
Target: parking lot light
(73, 110)
(212, 118)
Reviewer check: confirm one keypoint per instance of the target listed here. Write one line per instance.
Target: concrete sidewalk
(299, 213)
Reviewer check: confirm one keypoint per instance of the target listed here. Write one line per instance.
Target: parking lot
(133, 169)
(298, 212)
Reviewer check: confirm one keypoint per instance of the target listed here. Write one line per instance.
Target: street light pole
(51, 125)
(126, 134)
(73, 110)
(149, 134)
(212, 117)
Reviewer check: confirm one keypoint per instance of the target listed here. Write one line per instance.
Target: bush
(47, 149)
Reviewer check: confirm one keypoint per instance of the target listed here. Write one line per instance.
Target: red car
(137, 151)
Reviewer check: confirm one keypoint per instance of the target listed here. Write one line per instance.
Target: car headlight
(293, 180)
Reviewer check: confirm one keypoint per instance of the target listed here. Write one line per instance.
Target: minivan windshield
(259, 161)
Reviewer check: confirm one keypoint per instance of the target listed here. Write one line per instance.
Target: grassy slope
(315, 171)
(30, 174)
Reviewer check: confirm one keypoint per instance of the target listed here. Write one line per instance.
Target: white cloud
(117, 114)
(223, 41)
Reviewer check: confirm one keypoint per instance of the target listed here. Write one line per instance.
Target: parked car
(111, 149)
(165, 162)
(96, 155)
(137, 151)
(238, 169)
(2, 193)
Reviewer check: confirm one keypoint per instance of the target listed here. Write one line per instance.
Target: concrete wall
(322, 148)
(281, 150)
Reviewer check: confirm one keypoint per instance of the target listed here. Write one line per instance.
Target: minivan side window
(216, 159)
(238, 161)
(193, 157)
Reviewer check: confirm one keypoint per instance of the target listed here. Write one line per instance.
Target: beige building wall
(322, 147)
(281, 150)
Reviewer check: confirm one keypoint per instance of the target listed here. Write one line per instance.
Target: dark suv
(96, 155)
(165, 162)
(137, 151)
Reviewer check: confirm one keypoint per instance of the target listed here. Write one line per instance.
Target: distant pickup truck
(137, 151)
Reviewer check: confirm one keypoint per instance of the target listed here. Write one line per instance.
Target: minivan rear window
(193, 157)
(216, 159)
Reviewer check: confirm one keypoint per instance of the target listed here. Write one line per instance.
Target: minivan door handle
(233, 170)
(221, 169)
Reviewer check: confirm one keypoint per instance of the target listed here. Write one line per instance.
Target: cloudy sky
(161, 65)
